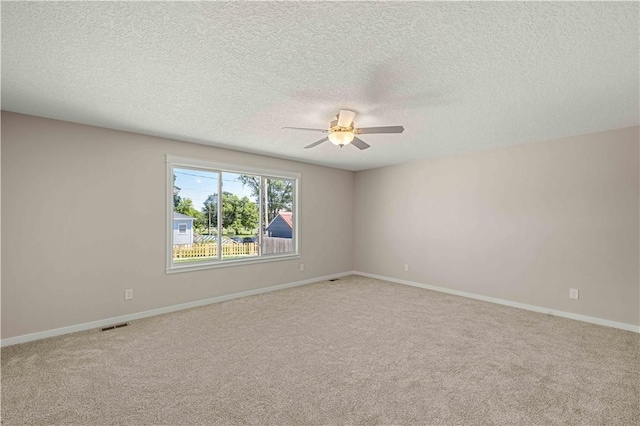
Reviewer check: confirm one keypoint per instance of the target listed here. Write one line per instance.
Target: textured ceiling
(458, 76)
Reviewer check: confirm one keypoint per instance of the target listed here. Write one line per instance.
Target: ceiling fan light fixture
(341, 138)
(342, 131)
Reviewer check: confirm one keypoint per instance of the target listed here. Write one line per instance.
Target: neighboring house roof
(177, 215)
(287, 217)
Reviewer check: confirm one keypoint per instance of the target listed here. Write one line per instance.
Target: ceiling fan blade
(307, 129)
(360, 144)
(345, 118)
(384, 129)
(316, 143)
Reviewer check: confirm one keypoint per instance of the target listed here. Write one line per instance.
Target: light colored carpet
(353, 351)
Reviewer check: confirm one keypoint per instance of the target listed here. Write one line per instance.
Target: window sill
(228, 263)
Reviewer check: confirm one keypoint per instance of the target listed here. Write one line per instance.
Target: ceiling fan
(342, 131)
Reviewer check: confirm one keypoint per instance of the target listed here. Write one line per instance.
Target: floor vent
(113, 327)
(335, 279)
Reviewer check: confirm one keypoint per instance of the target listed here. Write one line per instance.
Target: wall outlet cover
(574, 293)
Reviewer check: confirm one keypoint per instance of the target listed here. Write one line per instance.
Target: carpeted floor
(353, 351)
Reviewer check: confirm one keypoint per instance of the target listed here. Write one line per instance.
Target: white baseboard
(578, 317)
(138, 315)
(131, 317)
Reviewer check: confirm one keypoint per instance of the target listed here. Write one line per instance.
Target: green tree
(279, 194)
(237, 213)
(176, 191)
(249, 214)
(185, 206)
(210, 212)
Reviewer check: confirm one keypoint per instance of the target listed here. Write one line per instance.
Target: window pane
(277, 205)
(240, 215)
(195, 198)
(220, 215)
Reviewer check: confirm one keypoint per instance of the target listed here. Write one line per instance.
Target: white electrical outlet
(128, 294)
(301, 267)
(406, 267)
(574, 293)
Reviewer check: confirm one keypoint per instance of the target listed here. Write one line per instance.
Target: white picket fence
(230, 248)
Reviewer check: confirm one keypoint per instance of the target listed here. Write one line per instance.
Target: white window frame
(181, 231)
(173, 162)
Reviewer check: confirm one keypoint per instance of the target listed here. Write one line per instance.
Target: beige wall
(83, 218)
(524, 223)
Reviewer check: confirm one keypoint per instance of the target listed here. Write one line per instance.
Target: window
(228, 215)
